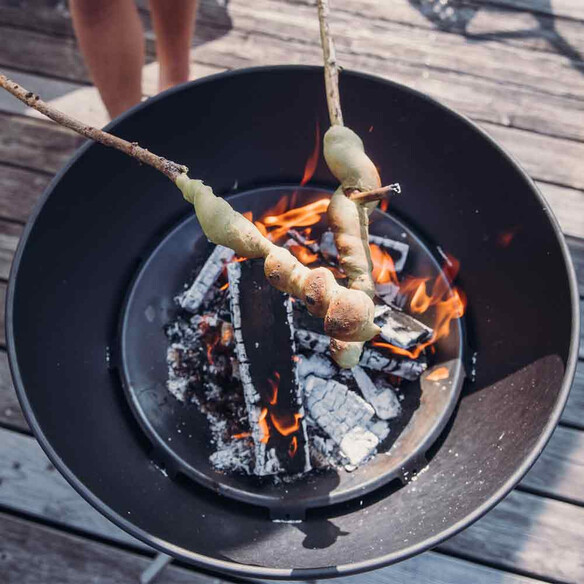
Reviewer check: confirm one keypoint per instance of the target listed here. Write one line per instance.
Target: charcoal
(265, 349)
(303, 240)
(409, 369)
(383, 399)
(192, 298)
(399, 328)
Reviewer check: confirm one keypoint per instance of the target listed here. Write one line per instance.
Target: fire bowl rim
(231, 567)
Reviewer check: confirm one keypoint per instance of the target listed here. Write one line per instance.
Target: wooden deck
(514, 66)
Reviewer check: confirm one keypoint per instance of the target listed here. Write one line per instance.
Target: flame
(312, 161)
(293, 448)
(383, 266)
(438, 374)
(303, 255)
(287, 429)
(242, 435)
(384, 204)
(278, 224)
(274, 383)
(224, 287)
(263, 424)
(248, 215)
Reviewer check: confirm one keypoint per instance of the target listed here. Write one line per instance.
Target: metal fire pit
(102, 217)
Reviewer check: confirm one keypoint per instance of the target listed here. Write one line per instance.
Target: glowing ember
(439, 374)
(224, 287)
(293, 449)
(242, 435)
(505, 238)
(274, 383)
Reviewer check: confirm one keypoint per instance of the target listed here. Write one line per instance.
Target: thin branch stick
(375, 194)
(331, 70)
(171, 169)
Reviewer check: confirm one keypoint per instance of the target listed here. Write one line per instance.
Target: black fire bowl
(103, 215)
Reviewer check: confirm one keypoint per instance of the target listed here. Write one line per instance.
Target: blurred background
(516, 67)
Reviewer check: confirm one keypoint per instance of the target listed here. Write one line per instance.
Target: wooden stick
(375, 194)
(331, 70)
(171, 169)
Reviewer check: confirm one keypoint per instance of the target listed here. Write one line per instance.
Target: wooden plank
(544, 158)
(47, 87)
(277, 32)
(2, 304)
(559, 471)
(370, 32)
(36, 144)
(30, 484)
(572, 9)
(577, 252)
(20, 188)
(32, 553)
(39, 53)
(529, 534)
(481, 20)
(574, 411)
(10, 413)
(480, 98)
(568, 207)
(9, 236)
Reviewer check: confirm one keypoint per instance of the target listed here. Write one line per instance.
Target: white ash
(400, 329)
(316, 364)
(381, 429)
(388, 292)
(192, 298)
(311, 341)
(358, 445)
(340, 413)
(383, 399)
(233, 456)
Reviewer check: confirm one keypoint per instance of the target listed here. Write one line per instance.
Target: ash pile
(258, 366)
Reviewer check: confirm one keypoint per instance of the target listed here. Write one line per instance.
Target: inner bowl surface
(100, 218)
(179, 432)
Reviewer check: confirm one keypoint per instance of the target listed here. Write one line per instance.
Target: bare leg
(174, 23)
(111, 39)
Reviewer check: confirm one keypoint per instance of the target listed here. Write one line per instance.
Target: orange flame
(274, 383)
(293, 448)
(438, 374)
(224, 287)
(383, 266)
(263, 424)
(298, 217)
(312, 161)
(286, 429)
(303, 255)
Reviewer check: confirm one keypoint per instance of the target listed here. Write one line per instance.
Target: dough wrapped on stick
(348, 314)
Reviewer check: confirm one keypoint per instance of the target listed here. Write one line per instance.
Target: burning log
(371, 359)
(383, 399)
(265, 348)
(343, 415)
(192, 298)
(400, 329)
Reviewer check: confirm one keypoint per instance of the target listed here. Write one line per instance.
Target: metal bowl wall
(249, 128)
